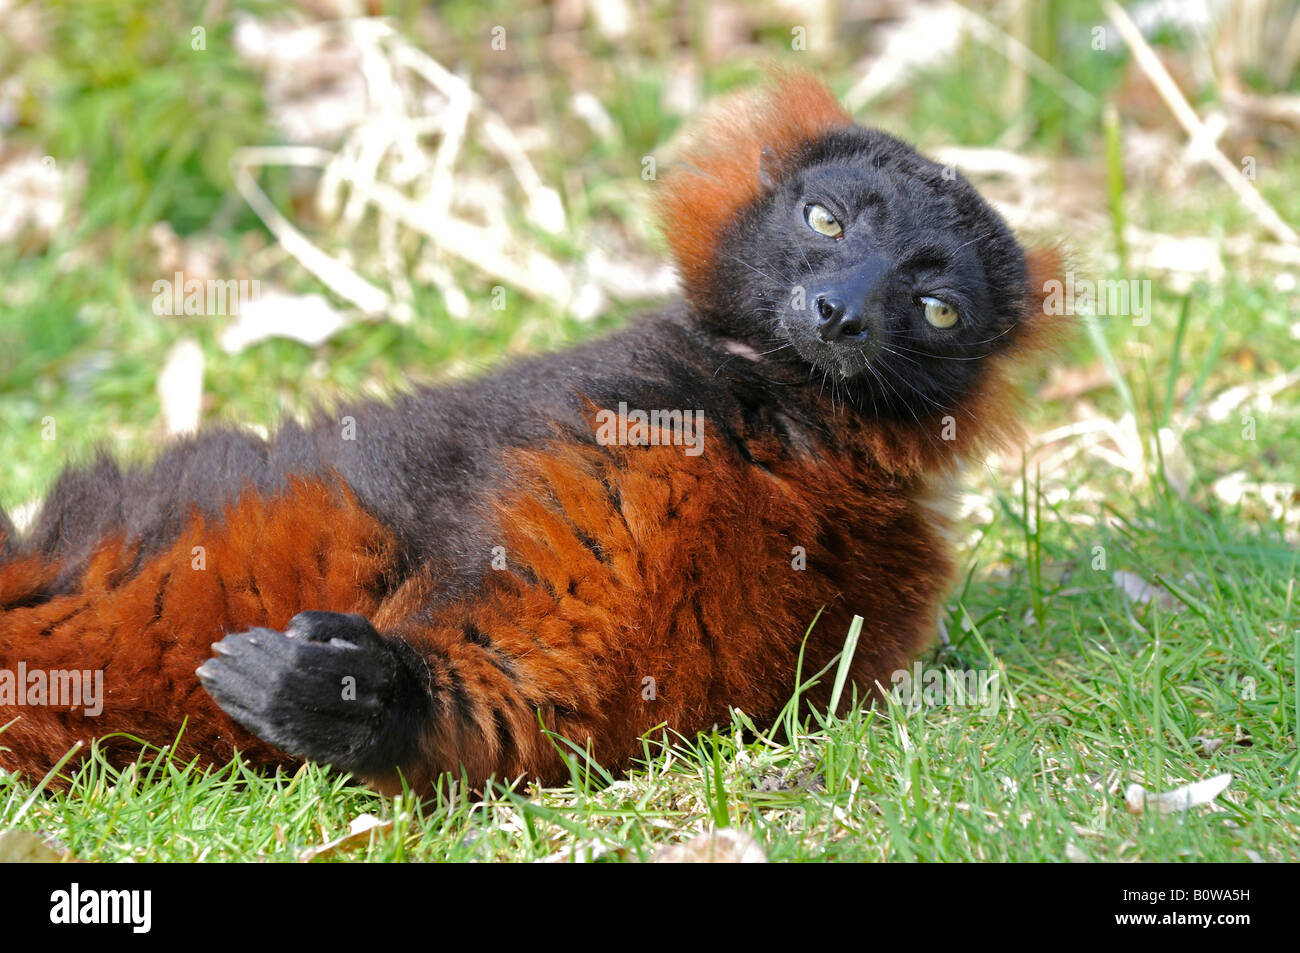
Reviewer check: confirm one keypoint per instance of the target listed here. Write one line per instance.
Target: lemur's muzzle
(844, 303)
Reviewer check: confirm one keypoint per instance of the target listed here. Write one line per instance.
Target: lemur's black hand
(329, 688)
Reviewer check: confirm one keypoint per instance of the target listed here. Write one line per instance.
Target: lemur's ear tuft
(1043, 324)
(1043, 263)
(742, 147)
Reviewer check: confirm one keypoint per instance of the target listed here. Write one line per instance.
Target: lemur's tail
(114, 656)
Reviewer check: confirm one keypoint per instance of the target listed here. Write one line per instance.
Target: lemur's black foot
(329, 688)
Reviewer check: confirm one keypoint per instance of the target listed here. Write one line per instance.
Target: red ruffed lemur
(472, 562)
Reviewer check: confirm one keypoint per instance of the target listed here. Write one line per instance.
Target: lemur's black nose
(845, 303)
(835, 321)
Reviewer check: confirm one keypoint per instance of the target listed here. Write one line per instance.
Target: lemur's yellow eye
(939, 314)
(821, 220)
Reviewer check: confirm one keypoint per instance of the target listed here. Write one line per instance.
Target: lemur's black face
(885, 274)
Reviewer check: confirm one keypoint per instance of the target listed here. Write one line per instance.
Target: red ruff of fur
(719, 173)
(628, 566)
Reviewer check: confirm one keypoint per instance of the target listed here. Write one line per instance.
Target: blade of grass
(846, 660)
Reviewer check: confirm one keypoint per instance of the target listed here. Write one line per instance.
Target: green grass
(1096, 691)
